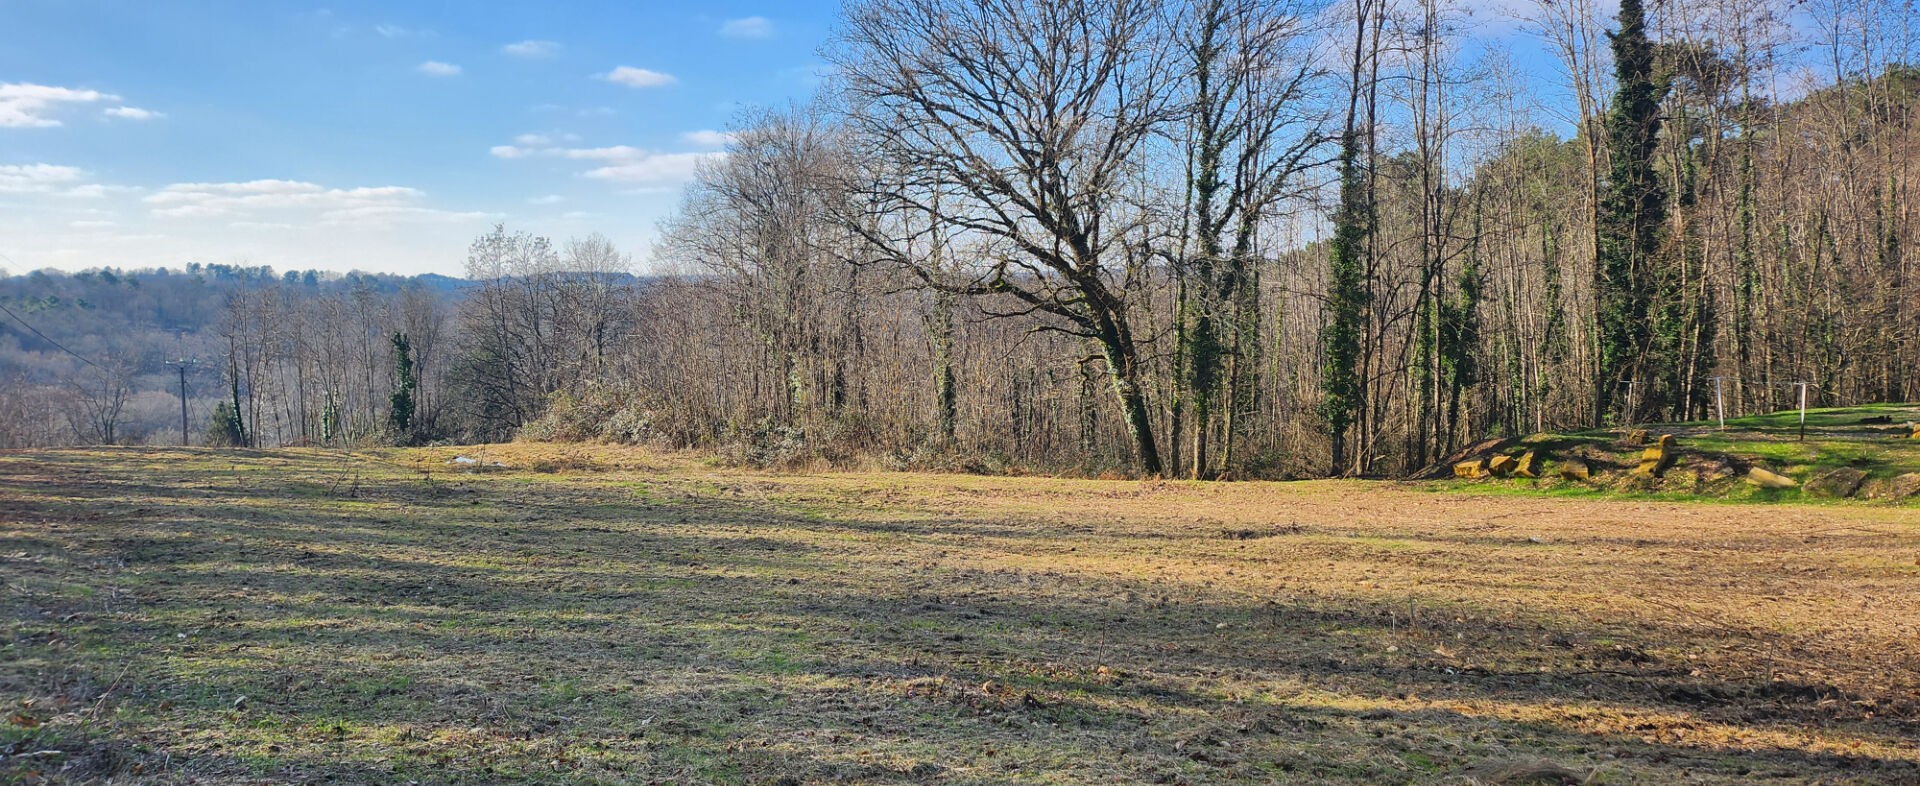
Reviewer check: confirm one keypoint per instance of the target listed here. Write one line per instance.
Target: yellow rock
(1528, 466)
(1575, 469)
(1637, 437)
(1471, 470)
(1655, 460)
(1502, 466)
(1766, 479)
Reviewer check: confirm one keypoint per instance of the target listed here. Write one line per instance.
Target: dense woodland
(1196, 238)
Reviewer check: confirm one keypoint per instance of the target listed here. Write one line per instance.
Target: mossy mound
(1850, 453)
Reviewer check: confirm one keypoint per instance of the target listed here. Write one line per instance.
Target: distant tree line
(1195, 238)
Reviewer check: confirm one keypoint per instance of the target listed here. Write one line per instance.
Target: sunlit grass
(588, 615)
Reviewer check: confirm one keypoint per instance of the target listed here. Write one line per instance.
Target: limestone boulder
(1836, 484)
(1528, 465)
(1575, 470)
(1501, 466)
(1895, 488)
(1472, 469)
(1767, 479)
(1655, 460)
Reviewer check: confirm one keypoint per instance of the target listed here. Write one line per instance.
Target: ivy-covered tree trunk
(400, 401)
(1343, 388)
(1633, 208)
(1344, 391)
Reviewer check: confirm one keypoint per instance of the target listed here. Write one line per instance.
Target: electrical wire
(36, 331)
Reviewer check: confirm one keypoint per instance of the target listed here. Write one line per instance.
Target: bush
(600, 413)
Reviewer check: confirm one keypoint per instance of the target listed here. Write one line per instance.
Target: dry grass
(591, 615)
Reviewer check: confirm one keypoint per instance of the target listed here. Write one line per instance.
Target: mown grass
(599, 615)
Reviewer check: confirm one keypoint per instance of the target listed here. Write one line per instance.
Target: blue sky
(385, 136)
(372, 136)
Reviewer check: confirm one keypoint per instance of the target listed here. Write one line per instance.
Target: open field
(594, 615)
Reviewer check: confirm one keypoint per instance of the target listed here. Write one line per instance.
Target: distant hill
(71, 341)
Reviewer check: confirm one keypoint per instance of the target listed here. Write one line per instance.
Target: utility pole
(182, 365)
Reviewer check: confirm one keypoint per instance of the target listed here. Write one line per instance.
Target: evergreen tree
(1633, 206)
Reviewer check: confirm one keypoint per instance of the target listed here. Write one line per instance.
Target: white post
(1720, 402)
(1803, 410)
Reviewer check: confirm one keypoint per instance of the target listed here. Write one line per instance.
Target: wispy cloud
(654, 168)
(396, 31)
(436, 68)
(748, 27)
(309, 203)
(133, 113)
(708, 138)
(37, 178)
(532, 50)
(27, 105)
(638, 77)
(623, 164)
(548, 199)
(99, 191)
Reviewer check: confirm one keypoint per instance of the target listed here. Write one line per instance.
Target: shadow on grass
(565, 632)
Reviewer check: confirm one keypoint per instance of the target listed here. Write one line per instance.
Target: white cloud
(654, 168)
(133, 113)
(549, 199)
(532, 140)
(749, 27)
(99, 190)
(637, 77)
(532, 50)
(90, 224)
(388, 215)
(708, 138)
(614, 153)
(37, 178)
(437, 68)
(620, 163)
(309, 203)
(27, 105)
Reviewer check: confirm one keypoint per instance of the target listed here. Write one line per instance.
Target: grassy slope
(623, 617)
(1834, 438)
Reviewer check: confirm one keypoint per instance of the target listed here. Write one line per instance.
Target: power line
(36, 331)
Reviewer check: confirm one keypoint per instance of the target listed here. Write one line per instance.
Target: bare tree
(1029, 118)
